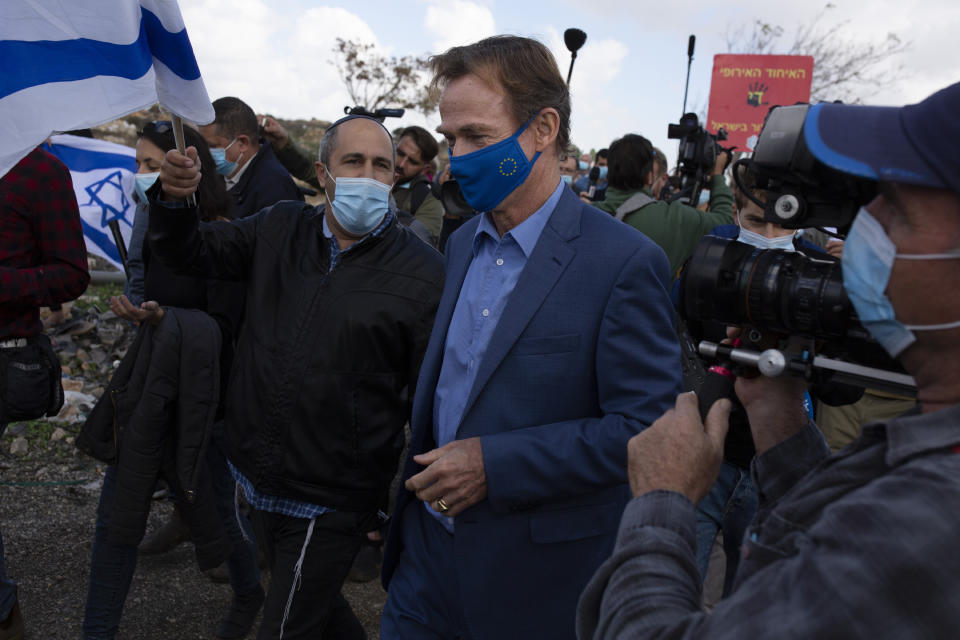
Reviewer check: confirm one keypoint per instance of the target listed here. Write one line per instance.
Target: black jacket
(264, 183)
(326, 359)
(154, 420)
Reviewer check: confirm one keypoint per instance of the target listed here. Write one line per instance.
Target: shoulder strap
(634, 202)
(419, 193)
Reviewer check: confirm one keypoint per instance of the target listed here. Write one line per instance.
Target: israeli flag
(73, 64)
(103, 178)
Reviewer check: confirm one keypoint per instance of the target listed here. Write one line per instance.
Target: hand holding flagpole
(180, 174)
(182, 148)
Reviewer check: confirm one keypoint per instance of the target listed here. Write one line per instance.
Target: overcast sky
(629, 77)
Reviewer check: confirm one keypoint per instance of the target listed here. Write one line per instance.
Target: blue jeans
(8, 590)
(112, 565)
(729, 507)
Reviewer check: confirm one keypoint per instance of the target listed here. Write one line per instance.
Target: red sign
(744, 87)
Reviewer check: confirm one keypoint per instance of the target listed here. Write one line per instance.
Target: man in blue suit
(553, 345)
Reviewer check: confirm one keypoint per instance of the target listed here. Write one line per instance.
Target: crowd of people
(560, 481)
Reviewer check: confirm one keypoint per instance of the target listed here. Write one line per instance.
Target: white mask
(784, 243)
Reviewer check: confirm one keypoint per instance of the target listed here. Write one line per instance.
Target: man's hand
(723, 157)
(455, 473)
(774, 405)
(678, 452)
(274, 132)
(444, 175)
(180, 174)
(774, 408)
(149, 311)
(835, 248)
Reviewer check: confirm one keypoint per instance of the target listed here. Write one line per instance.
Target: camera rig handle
(774, 362)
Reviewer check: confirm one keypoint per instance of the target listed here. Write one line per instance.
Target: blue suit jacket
(584, 357)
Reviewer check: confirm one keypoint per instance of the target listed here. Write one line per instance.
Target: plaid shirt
(289, 506)
(861, 544)
(43, 258)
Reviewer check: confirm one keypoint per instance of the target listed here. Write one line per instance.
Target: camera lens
(786, 292)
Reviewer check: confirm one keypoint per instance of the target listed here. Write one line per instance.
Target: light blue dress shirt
(492, 275)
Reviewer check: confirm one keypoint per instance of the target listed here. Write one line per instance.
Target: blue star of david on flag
(99, 170)
(112, 189)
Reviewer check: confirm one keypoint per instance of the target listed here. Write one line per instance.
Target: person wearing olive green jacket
(674, 226)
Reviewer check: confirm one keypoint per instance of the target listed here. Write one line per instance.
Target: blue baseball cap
(916, 144)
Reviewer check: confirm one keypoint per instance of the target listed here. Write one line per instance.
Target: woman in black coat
(112, 565)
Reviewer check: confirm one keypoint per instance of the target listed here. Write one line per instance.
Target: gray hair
(327, 143)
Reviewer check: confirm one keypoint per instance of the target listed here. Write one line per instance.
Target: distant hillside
(306, 133)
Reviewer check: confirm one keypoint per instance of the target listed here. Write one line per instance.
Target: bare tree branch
(844, 68)
(374, 81)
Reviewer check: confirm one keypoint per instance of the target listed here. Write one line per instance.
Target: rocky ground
(48, 499)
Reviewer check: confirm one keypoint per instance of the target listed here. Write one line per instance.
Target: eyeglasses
(157, 126)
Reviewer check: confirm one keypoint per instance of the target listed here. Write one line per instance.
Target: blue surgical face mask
(584, 165)
(142, 182)
(868, 256)
(224, 166)
(359, 204)
(783, 243)
(603, 173)
(487, 176)
(567, 179)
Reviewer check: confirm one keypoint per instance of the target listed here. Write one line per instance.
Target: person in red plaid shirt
(43, 261)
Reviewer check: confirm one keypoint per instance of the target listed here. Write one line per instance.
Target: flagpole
(182, 148)
(121, 245)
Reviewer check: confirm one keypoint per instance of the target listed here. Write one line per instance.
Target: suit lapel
(548, 261)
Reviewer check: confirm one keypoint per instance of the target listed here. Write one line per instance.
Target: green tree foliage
(375, 81)
(843, 68)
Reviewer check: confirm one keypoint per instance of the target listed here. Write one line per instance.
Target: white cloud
(596, 119)
(458, 22)
(277, 62)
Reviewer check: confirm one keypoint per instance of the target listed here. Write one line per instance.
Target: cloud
(596, 118)
(277, 62)
(458, 22)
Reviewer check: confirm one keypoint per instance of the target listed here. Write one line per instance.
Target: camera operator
(732, 501)
(674, 226)
(860, 544)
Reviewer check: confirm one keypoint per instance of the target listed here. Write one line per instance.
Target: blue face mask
(567, 179)
(603, 173)
(359, 204)
(584, 165)
(868, 256)
(487, 176)
(224, 166)
(142, 182)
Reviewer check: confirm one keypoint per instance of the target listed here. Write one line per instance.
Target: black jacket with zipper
(327, 357)
(155, 420)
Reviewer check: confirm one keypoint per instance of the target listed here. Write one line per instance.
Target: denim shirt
(859, 544)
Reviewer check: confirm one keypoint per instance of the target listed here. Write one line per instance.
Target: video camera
(696, 158)
(798, 298)
(378, 114)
